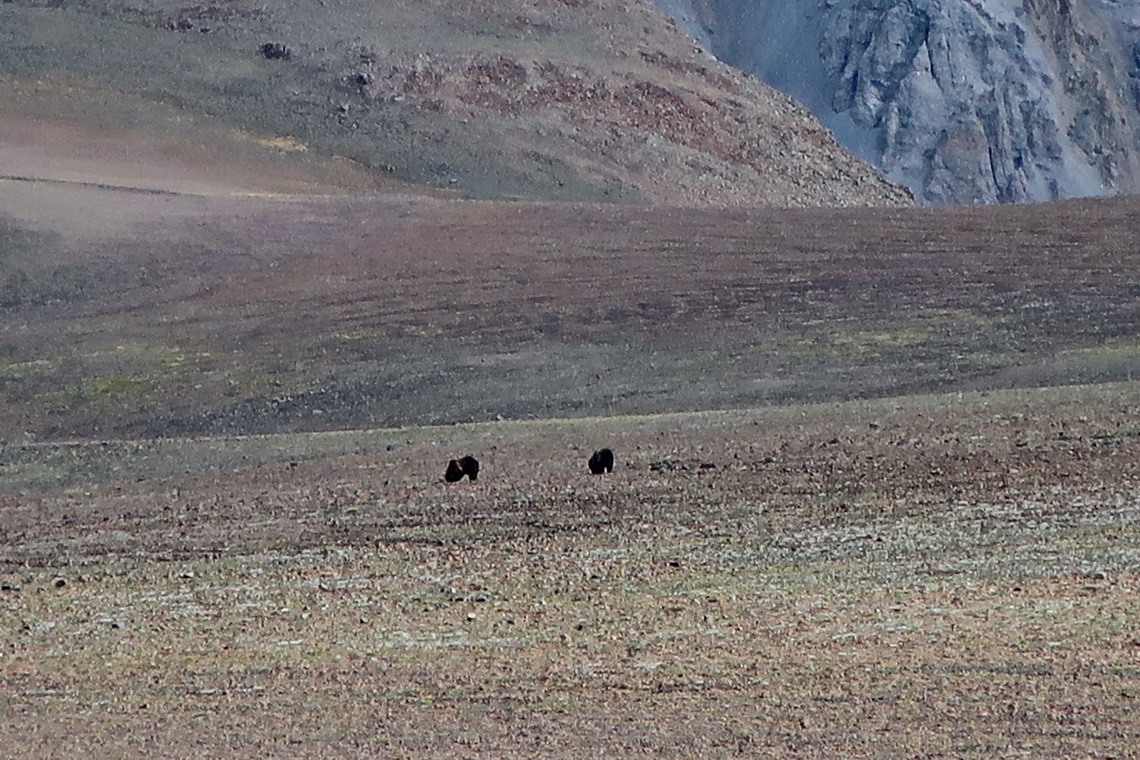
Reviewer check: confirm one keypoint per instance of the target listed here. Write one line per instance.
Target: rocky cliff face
(977, 101)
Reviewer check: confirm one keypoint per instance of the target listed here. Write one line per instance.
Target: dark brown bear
(276, 51)
(457, 468)
(454, 472)
(470, 466)
(602, 461)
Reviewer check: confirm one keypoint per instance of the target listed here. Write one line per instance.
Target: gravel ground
(928, 576)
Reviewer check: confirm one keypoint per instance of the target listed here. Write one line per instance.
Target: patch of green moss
(19, 370)
(117, 384)
(871, 342)
(857, 343)
(365, 333)
(173, 358)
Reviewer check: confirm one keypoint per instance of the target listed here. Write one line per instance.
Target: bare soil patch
(70, 130)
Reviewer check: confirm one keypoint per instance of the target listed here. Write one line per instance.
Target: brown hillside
(595, 100)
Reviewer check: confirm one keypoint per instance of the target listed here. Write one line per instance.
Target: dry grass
(927, 576)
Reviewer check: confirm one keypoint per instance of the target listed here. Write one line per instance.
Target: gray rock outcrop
(976, 101)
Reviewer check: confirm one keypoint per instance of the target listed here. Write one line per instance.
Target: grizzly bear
(602, 461)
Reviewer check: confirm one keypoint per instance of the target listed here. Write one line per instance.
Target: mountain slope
(568, 100)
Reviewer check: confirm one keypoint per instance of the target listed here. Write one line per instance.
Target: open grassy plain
(145, 314)
(924, 576)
